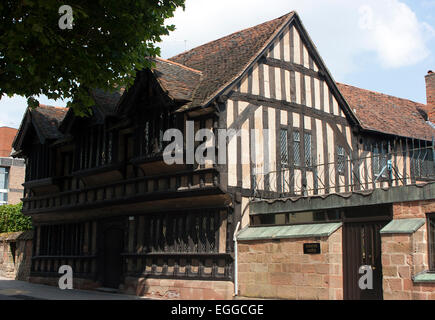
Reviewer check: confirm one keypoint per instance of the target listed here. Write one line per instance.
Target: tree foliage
(12, 219)
(109, 41)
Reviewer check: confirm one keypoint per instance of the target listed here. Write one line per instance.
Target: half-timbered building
(104, 201)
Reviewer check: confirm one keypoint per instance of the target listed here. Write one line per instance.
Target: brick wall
(280, 269)
(16, 178)
(430, 96)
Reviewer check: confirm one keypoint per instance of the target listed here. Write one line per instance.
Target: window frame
(284, 132)
(431, 240)
(342, 157)
(308, 165)
(296, 143)
(5, 191)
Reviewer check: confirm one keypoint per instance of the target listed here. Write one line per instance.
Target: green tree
(109, 41)
(12, 219)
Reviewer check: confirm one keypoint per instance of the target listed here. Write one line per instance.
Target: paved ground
(21, 290)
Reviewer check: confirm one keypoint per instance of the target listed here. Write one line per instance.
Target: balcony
(161, 186)
(346, 175)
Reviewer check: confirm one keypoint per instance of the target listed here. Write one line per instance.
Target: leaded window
(379, 161)
(284, 148)
(308, 151)
(422, 163)
(296, 148)
(341, 158)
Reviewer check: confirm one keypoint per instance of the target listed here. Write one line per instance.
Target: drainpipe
(235, 259)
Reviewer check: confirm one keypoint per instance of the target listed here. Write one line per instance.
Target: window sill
(425, 277)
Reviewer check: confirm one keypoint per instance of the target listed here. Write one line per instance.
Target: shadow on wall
(16, 254)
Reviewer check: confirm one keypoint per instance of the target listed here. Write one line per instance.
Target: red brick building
(12, 170)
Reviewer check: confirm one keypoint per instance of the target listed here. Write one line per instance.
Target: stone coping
(14, 236)
(403, 226)
(425, 276)
(286, 232)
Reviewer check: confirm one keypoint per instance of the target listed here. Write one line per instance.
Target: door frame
(350, 289)
(103, 226)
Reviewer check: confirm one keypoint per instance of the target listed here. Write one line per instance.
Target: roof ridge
(178, 64)
(278, 29)
(49, 106)
(231, 34)
(380, 93)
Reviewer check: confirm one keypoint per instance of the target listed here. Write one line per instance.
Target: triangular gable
(308, 50)
(148, 86)
(25, 126)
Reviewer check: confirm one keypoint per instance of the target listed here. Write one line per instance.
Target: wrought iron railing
(347, 174)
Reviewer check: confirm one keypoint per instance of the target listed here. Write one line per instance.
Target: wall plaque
(311, 248)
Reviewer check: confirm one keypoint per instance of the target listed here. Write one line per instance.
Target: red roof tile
(48, 119)
(177, 80)
(387, 114)
(222, 60)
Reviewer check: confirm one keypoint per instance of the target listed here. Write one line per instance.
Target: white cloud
(390, 30)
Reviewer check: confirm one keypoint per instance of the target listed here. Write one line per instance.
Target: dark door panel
(362, 246)
(113, 245)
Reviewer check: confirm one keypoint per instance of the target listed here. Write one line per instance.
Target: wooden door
(112, 265)
(362, 246)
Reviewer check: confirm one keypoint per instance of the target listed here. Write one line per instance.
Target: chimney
(430, 96)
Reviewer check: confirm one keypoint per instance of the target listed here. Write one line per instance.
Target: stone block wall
(413, 209)
(280, 269)
(406, 255)
(15, 257)
(179, 289)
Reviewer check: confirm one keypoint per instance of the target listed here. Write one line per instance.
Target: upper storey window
(341, 160)
(152, 126)
(39, 165)
(380, 161)
(96, 148)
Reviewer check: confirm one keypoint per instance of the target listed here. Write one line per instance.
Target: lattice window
(422, 163)
(379, 161)
(284, 148)
(308, 153)
(296, 148)
(341, 158)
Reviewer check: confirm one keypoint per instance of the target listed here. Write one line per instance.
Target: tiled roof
(177, 80)
(48, 119)
(107, 101)
(387, 114)
(222, 60)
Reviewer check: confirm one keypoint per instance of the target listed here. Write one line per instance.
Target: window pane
(3, 197)
(4, 178)
(376, 164)
(308, 159)
(283, 145)
(341, 160)
(296, 148)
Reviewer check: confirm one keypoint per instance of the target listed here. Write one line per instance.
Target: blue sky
(382, 45)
